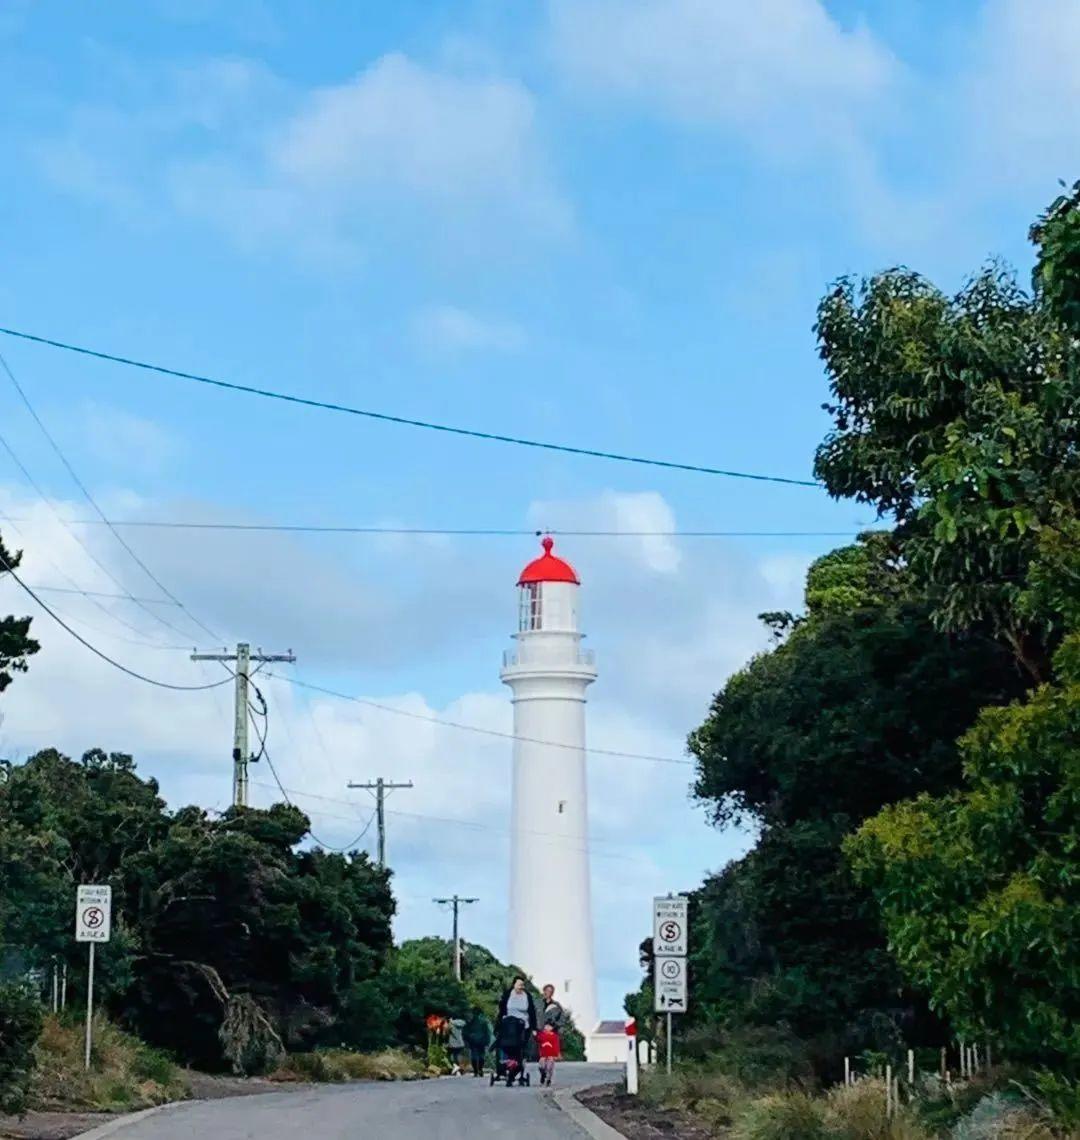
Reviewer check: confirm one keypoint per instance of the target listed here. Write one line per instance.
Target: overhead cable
(463, 532)
(477, 728)
(405, 421)
(5, 565)
(93, 502)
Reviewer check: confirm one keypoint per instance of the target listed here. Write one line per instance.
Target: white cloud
(449, 329)
(1019, 94)
(432, 153)
(782, 72)
(669, 623)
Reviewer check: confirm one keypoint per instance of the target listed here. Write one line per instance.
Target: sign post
(93, 924)
(670, 924)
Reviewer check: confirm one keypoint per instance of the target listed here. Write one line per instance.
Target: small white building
(608, 1043)
(551, 931)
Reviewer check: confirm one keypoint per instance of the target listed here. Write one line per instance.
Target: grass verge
(337, 1065)
(125, 1074)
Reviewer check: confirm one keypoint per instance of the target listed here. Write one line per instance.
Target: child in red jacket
(550, 1050)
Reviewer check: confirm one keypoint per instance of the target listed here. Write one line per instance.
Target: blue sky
(602, 222)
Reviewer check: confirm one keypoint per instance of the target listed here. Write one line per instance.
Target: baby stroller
(510, 1038)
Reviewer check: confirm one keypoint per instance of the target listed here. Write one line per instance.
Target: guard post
(631, 1057)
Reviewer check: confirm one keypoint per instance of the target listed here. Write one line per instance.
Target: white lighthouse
(551, 935)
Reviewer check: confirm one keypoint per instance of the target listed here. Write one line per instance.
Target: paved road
(450, 1109)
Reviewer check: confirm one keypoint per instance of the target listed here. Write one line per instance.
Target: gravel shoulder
(636, 1121)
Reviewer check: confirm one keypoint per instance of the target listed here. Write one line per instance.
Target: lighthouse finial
(547, 543)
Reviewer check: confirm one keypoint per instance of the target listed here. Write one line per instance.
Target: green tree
(980, 890)
(958, 417)
(858, 706)
(16, 645)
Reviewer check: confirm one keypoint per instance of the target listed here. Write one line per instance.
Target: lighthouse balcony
(544, 656)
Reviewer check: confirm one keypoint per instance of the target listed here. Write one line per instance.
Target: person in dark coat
(478, 1036)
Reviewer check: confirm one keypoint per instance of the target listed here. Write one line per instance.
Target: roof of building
(618, 1027)
(548, 568)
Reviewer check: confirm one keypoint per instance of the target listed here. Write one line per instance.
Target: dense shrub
(20, 1024)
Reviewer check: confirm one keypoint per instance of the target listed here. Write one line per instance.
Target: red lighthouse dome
(548, 568)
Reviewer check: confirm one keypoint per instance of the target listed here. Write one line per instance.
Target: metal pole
(668, 1035)
(89, 1004)
(63, 985)
(55, 985)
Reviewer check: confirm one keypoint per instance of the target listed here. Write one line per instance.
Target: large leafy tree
(859, 705)
(16, 644)
(959, 417)
(980, 889)
(221, 923)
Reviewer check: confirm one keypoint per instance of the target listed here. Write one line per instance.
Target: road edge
(114, 1125)
(585, 1118)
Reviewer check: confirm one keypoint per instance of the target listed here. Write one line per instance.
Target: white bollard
(631, 1058)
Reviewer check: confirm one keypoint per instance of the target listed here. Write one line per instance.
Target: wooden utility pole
(241, 753)
(380, 787)
(456, 902)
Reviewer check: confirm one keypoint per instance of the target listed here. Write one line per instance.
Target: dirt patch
(636, 1121)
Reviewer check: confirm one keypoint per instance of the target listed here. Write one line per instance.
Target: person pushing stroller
(516, 1024)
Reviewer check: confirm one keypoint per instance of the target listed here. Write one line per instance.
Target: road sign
(669, 982)
(669, 927)
(93, 914)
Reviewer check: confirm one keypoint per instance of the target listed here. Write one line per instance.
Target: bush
(857, 1112)
(782, 1116)
(764, 1058)
(707, 1093)
(20, 1026)
(338, 1065)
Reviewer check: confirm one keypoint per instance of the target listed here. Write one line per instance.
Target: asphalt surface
(458, 1108)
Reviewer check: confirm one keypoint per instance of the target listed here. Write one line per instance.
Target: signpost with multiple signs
(93, 924)
(669, 959)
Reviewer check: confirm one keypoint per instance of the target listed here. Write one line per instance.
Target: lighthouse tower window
(530, 616)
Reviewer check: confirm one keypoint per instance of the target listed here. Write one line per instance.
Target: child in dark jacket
(550, 1050)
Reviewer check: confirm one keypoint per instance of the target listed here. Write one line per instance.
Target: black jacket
(532, 1007)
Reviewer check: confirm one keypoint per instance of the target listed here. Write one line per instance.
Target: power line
(4, 564)
(546, 836)
(385, 417)
(350, 846)
(460, 532)
(91, 596)
(477, 728)
(86, 549)
(93, 502)
(101, 594)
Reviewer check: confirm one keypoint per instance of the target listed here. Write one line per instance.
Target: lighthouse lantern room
(548, 672)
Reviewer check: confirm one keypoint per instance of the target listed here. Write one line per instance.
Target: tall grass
(125, 1074)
